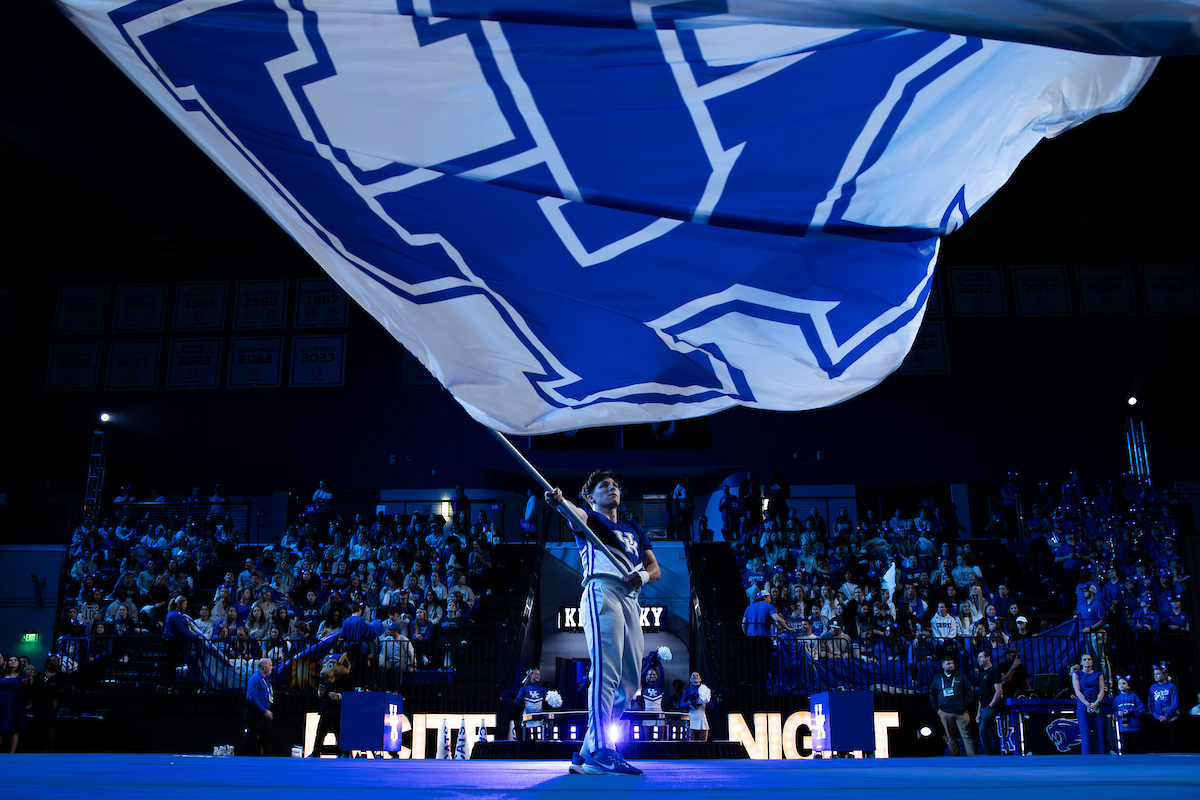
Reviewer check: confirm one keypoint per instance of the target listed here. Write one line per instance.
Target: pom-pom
(664, 653)
(553, 699)
(705, 694)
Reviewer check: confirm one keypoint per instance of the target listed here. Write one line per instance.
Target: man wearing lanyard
(258, 711)
(951, 695)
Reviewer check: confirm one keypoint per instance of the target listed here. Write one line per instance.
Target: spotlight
(614, 733)
(104, 418)
(1132, 400)
(925, 732)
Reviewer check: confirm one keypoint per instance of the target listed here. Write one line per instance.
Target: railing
(465, 674)
(700, 637)
(344, 512)
(768, 673)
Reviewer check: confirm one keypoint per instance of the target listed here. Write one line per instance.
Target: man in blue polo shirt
(759, 616)
(756, 624)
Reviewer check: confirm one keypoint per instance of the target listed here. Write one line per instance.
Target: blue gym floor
(38, 776)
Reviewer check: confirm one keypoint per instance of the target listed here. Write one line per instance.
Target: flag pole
(618, 562)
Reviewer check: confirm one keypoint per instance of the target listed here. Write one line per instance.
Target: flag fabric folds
(578, 220)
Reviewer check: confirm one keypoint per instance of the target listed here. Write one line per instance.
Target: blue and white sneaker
(576, 767)
(608, 762)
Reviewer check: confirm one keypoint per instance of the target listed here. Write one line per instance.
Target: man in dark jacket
(951, 695)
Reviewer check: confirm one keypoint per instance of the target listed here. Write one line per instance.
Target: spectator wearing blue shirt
(1163, 705)
(1128, 709)
(1163, 593)
(1091, 610)
(1113, 591)
(1177, 621)
(756, 624)
(1093, 616)
(258, 714)
(1145, 619)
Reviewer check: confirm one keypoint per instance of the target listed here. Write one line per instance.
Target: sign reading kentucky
(592, 213)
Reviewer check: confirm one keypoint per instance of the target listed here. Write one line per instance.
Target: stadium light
(104, 417)
(1132, 400)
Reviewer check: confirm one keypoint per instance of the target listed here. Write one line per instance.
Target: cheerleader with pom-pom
(694, 700)
(530, 698)
(654, 678)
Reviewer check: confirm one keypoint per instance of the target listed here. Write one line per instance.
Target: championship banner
(1042, 291)
(260, 304)
(928, 354)
(255, 363)
(1169, 289)
(200, 306)
(194, 364)
(1105, 291)
(977, 292)
(318, 361)
(133, 366)
(140, 308)
(74, 367)
(320, 304)
(80, 309)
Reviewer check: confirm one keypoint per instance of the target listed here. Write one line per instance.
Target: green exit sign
(29, 637)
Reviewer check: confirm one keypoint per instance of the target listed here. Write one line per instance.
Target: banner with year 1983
(260, 304)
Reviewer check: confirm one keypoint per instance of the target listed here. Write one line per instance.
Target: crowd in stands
(417, 580)
(874, 588)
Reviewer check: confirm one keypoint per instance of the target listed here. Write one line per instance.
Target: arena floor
(166, 777)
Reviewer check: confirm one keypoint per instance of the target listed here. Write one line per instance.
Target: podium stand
(371, 721)
(842, 721)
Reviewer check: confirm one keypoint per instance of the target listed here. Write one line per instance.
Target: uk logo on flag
(574, 226)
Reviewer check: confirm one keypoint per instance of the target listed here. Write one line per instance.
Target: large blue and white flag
(574, 222)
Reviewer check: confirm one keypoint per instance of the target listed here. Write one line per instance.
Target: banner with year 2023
(318, 361)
